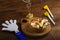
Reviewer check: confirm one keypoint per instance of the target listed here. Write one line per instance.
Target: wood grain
(16, 9)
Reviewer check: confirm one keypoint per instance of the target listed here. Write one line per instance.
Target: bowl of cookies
(35, 26)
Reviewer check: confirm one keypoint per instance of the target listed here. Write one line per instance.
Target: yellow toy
(47, 8)
(47, 14)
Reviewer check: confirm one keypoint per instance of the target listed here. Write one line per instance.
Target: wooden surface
(15, 9)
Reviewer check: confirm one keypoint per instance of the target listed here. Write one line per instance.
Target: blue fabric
(21, 36)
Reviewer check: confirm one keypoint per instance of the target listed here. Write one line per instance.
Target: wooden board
(15, 9)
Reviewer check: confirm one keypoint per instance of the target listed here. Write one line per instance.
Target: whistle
(47, 14)
(47, 8)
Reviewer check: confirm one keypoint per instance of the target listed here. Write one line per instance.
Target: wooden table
(15, 9)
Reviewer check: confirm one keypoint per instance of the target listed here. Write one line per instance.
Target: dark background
(16, 9)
